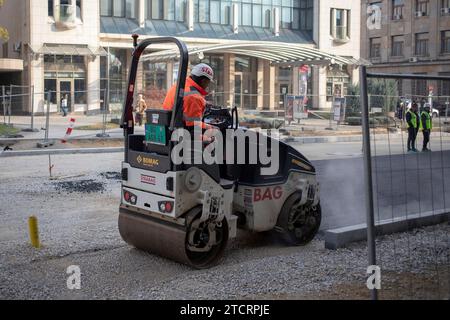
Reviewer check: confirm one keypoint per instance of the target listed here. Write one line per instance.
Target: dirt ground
(395, 286)
(71, 144)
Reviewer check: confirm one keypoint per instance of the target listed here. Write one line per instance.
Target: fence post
(31, 100)
(4, 104)
(368, 174)
(46, 143)
(105, 116)
(447, 103)
(32, 110)
(10, 104)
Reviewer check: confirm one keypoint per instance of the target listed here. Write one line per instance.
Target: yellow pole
(34, 232)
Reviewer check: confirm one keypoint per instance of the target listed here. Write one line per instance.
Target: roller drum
(167, 239)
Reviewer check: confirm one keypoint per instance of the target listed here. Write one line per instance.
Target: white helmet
(203, 69)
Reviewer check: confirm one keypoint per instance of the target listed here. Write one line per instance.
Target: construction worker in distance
(194, 102)
(426, 125)
(141, 106)
(412, 122)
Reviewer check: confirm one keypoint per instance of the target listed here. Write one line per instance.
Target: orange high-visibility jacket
(194, 103)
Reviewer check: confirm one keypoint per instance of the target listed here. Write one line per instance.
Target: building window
(257, 15)
(79, 9)
(421, 8)
(203, 11)
(155, 9)
(445, 7)
(445, 46)
(296, 14)
(80, 91)
(106, 8)
(5, 50)
(214, 12)
(50, 86)
(397, 46)
(246, 14)
(50, 8)
(118, 8)
(444, 87)
(168, 10)
(225, 9)
(130, 9)
(286, 18)
(375, 47)
(419, 88)
(117, 75)
(397, 9)
(339, 24)
(421, 44)
(180, 12)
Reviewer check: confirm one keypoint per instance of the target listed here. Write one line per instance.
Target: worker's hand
(209, 136)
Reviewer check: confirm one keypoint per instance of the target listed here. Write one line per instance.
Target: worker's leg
(410, 138)
(415, 140)
(426, 140)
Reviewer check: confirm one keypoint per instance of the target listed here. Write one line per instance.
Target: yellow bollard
(34, 232)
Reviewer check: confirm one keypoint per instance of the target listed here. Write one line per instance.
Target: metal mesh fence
(410, 194)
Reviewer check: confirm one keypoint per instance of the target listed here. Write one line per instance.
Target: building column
(93, 85)
(139, 89)
(141, 14)
(36, 67)
(295, 80)
(320, 88)
(353, 71)
(260, 84)
(269, 87)
(169, 75)
(229, 83)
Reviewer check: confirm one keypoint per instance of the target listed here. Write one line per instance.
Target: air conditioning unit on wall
(421, 14)
(445, 11)
(413, 59)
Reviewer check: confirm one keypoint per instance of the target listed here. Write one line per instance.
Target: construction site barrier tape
(69, 130)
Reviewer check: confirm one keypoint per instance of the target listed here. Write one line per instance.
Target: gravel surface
(79, 228)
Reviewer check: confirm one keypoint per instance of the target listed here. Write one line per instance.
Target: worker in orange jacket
(194, 102)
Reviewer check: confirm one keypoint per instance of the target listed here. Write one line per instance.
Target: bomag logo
(150, 162)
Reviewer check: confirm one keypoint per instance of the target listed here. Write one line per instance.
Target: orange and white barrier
(69, 130)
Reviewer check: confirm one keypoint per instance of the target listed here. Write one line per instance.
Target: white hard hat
(203, 69)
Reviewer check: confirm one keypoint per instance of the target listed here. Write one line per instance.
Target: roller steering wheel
(218, 117)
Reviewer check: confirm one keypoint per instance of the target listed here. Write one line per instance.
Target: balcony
(341, 34)
(11, 65)
(65, 16)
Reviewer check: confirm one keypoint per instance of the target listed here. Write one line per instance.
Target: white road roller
(188, 212)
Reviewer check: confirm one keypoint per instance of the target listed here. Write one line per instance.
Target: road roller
(189, 211)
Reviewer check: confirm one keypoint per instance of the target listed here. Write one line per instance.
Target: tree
(4, 35)
(383, 94)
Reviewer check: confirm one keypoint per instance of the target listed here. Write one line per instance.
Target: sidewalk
(308, 131)
(59, 125)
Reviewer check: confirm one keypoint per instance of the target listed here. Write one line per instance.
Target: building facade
(82, 49)
(337, 28)
(408, 36)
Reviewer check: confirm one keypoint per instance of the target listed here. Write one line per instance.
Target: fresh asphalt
(403, 183)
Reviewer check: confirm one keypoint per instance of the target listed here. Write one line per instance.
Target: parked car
(434, 112)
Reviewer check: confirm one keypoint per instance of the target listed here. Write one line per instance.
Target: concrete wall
(13, 16)
(408, 27)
